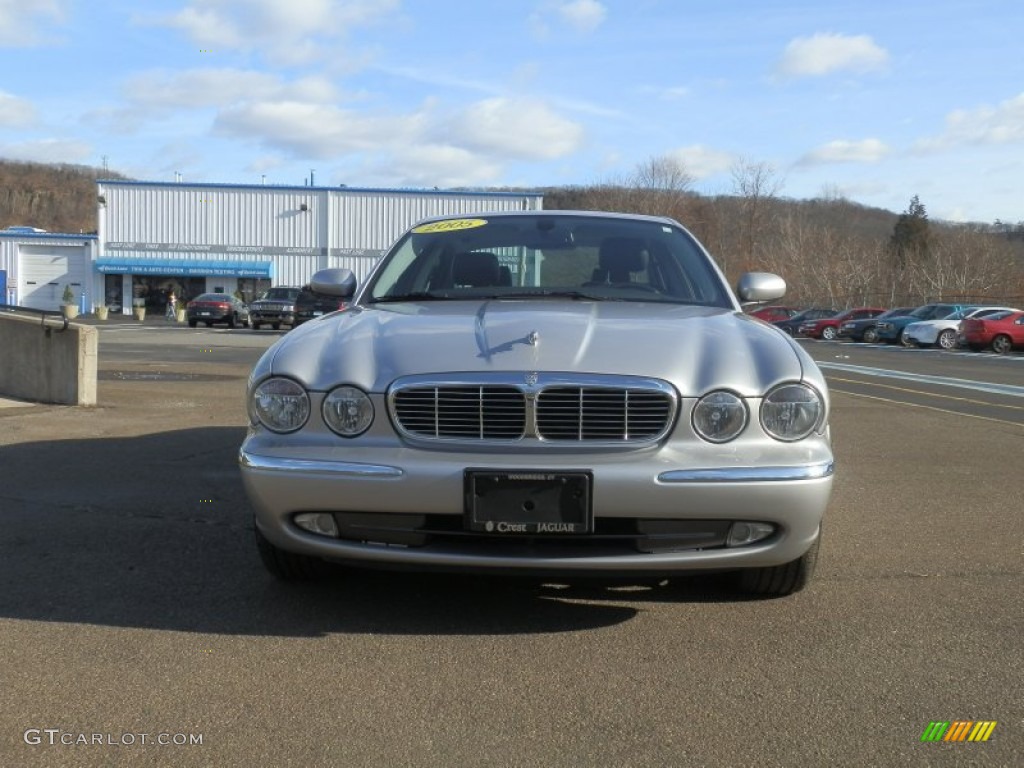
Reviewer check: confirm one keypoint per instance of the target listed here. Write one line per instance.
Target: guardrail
(43, 315)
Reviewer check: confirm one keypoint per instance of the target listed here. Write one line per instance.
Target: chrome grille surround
(543, 408)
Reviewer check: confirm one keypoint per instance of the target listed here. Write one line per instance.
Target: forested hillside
(57, 198)
(829, 250)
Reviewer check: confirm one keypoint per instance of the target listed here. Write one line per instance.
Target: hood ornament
(531, 378)
(532, 338)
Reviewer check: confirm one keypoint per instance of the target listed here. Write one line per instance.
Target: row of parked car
(942, 325)
(281, 305)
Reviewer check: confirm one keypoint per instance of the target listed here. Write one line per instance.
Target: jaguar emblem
(531, 379)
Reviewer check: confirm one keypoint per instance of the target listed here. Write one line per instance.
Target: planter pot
(140, 313)
(179, 313)
(70, 311)
(101, 313)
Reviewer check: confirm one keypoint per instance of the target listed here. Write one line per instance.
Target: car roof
(552, 213)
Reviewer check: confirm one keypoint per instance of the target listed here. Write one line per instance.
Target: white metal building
(193, 238)
(35, 267)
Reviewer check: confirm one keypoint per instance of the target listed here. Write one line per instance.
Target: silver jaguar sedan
(542, 392)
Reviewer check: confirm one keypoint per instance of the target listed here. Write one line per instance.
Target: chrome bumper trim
(749, 474)
(310, 466)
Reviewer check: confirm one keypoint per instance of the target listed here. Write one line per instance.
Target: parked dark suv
(310, 304)
(275, 308)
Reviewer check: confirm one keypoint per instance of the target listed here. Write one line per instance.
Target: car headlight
(791, 412)
(348, 411)
(719, 416)
(281, 405)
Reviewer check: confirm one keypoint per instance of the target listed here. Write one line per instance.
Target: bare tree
(755, 184)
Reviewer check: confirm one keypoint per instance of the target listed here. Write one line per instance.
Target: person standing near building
(172, 301)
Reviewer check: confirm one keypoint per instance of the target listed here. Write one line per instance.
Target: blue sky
(874, 101)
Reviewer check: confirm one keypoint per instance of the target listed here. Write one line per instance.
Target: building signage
(184, 268)
(256, 250)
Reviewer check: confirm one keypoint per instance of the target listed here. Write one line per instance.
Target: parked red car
(828, 328)
(1003, 331)
(771, 314)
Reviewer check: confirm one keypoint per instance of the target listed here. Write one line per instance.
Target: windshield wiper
(413, 296)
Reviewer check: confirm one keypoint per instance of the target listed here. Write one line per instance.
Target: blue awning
(185, 268)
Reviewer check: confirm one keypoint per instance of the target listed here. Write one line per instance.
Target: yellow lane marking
(929, 394)
(928, 407)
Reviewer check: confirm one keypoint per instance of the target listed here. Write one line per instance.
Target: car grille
(633, 411)
(592, 413)
(472, 412)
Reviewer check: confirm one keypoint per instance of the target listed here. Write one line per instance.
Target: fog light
(747, 533)
(321, 523)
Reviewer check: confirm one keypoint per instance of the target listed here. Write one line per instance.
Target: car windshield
(999, 315)
(548, 256)
(899, 312)
(281, 294)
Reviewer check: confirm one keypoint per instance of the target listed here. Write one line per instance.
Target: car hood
(695, 348)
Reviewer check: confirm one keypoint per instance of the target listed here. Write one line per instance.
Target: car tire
(870, 336)
(906, 340)
(828, 333)
(255, 326)
(276, 326)
(1002, 344)
(947, 339)
(781, 580)
(192, 323)
(287, 566)
(208, 323)
(232, 320)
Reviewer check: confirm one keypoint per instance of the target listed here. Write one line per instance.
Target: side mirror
(334, 282)
(758, 287)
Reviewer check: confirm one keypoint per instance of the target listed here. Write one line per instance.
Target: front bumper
(272, 316)
(626, 487)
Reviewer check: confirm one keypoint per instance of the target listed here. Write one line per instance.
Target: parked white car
(943, 332)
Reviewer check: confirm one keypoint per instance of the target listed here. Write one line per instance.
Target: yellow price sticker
(449, 225)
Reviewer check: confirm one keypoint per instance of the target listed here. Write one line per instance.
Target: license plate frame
(529, 502)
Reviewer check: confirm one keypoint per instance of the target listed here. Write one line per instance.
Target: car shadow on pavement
(154, 531)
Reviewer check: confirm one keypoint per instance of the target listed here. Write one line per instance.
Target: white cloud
(48, 151)
(163, 90)
(843, 151)
(287, 31)
(517, 128)
(316, 131)
(1001, 124)
(702, 162)
(824, 53)
(581, 16)
(436, 165)
(15, 112)
(23, 22)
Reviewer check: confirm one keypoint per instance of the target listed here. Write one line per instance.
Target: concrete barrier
(41, 362)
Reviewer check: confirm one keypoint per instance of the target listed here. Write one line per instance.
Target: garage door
(44, 272)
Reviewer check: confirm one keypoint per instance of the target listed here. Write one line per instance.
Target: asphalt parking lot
(132, 602)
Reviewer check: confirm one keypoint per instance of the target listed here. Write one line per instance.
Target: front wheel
(255, 326)
(947, 339)
(829, 333)
(1002, 344)
(232, 319)
(781, 580)
(284, 565)
(870, 335)
(906, 341)
(192, 323)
